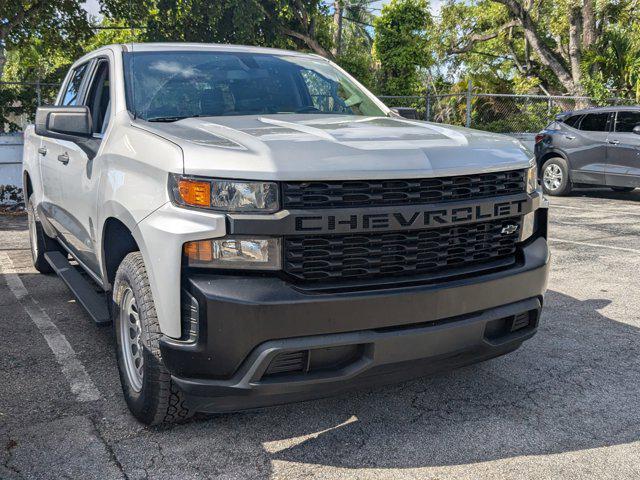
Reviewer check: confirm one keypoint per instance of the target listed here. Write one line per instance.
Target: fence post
(427, 112)
(469, 90)
(38, 92)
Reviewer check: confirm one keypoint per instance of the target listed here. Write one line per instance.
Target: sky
(92, 7)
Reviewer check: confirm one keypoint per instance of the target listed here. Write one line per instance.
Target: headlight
(532, 179)
(225, 195)
(255, 253)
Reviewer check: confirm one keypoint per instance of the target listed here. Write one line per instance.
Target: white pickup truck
(260, 229)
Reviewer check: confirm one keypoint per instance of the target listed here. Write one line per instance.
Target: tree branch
(18, 18)
(311, 42)
(304, 36)
(477, 38)
(547, 56)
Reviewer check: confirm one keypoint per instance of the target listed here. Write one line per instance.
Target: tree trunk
(575, 50)
(589, 34)
(337, 27)
(547, 56)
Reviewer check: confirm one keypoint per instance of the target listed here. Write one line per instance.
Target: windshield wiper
(170, 119)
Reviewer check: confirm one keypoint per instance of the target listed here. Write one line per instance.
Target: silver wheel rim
(552, 177)
(33, 234)
(131, 344)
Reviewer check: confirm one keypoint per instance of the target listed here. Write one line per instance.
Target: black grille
(357, 256)
(366, 193)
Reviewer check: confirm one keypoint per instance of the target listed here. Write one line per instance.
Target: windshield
(169, 85)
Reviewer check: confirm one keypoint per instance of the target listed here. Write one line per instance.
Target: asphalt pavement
(565, 405)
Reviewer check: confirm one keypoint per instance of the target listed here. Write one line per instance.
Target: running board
(83, 289)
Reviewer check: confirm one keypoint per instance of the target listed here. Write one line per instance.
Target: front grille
(369, 255)
(368, 193)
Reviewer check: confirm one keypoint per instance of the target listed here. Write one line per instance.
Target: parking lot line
(595, 245)
(81, 384)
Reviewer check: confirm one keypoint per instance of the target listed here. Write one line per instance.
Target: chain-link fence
(494, 112)
(19, 100)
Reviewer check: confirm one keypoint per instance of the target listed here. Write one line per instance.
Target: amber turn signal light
(195, 193)
(199, 251)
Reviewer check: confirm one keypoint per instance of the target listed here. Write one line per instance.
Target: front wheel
(150, 393)
(555, 177)
(623, 189)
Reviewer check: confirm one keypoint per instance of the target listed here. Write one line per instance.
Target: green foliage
(357, 59)
(402, 45)
(485, 39)
(617, 56)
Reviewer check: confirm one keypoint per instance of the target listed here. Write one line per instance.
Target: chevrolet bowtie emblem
(509, 229)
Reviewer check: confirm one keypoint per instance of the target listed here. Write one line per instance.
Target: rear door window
(626, 121)
(72, 89)
(595, 122)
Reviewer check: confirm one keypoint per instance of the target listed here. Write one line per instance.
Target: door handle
(64, 158)
(569, 137)
(613, 142)
(42, 151)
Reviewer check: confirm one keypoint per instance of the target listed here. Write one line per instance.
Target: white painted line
(81, 384)
(553, 205)
(595, 245)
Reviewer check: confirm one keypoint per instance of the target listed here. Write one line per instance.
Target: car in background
(597, 146)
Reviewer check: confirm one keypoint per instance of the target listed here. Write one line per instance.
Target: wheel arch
(118, 237)
(549, 155)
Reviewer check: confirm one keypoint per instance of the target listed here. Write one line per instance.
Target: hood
(328, 147)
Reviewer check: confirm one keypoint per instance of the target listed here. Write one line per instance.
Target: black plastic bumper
(246, 323)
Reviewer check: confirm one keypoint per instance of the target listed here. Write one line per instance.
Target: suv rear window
(595, 122)
(625, 121)
(573, 121)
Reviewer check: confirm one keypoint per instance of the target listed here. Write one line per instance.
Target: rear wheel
(555, 177)
(39, 241)
(623, 189)
(148, 389)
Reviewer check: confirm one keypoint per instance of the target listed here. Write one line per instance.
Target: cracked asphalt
(565, 405)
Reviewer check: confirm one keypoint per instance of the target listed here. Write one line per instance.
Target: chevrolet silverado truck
(260, 229)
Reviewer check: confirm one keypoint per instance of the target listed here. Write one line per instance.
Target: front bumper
(246, 324)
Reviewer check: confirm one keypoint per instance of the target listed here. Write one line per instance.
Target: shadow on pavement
(606, 193)
(13, 223)
(575, 386)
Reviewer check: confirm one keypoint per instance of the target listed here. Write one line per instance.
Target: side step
(84, 290)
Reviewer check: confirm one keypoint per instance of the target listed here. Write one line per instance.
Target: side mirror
(636, 130)
(406, 112)
(65, 123)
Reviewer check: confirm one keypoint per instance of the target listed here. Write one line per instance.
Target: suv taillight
(539, 137)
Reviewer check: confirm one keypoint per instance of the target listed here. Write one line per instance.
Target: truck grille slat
(343, 257)
(369, 193)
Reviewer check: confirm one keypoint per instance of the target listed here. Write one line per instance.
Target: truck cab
(258, 228)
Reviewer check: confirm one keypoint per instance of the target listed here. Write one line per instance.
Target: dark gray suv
(599, 146)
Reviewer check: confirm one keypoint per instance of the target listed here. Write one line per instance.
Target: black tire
(557, 169)
(152, 398)
(39, 241)
(623, 189)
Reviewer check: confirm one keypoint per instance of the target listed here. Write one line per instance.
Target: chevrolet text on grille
(402, 220)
